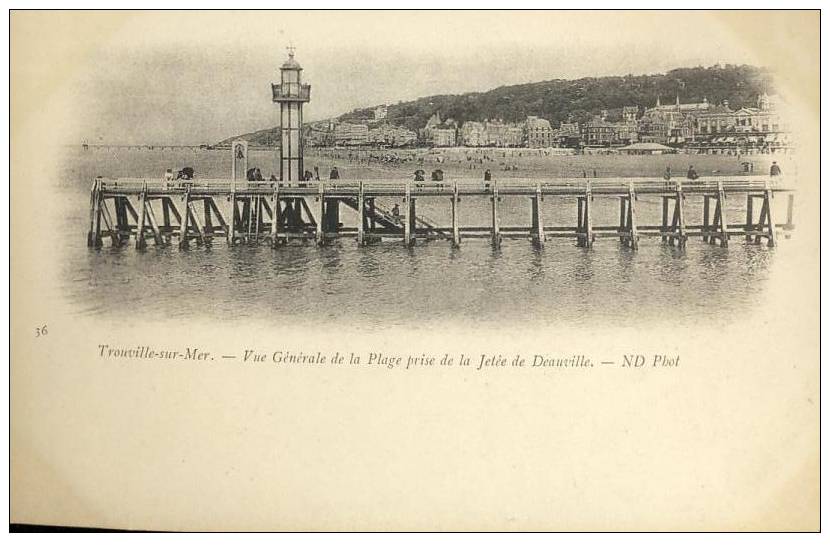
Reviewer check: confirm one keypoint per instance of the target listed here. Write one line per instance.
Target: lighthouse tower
(291, 94)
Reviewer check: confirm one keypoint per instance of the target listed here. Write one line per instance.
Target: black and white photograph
(415, 270)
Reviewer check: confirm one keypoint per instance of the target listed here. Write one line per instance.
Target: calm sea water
(388, 285)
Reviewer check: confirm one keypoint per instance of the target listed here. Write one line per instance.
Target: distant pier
(163, 212)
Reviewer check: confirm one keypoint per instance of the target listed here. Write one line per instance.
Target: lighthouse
(291, 94)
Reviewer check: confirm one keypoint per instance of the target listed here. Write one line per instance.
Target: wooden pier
(277, 212)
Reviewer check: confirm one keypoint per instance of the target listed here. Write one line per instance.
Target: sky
(199, 77)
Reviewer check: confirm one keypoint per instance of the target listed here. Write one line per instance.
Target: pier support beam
(456, 231)
(537, 236)
(115, 236)
(96, 198)
(361, 215)
(706, 228)
(321, 214)
(234, 215)
(275, 215)
(139, 231)
(496, 231)
(678, 227)
(408, 214)
(767, 218)
(151, 218)
(633, 237)
(584, 219)
(122, 220)
(719, 221)
(185, 216)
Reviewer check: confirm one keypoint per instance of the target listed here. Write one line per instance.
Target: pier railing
(281, 211)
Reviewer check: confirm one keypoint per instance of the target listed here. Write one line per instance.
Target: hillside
(562, 100)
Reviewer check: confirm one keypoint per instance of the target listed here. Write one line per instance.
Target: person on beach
(775, 170)
(334, 174)
(488, 175)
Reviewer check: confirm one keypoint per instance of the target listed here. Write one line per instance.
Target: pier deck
(278, 212)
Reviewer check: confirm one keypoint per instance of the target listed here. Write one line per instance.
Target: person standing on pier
(334, 174)
(775, 170)
(667, 178)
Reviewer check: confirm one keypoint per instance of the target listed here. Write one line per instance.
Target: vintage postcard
(415, 270)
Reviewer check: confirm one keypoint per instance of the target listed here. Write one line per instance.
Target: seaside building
(472, 134)
(539, 132)
(380, 112)
(390, 135)
(503, 135)
(444, 136)
(748, 130)
(629, 114)
(569, 135)
(351, 134)
(599, 132)
(671, 124)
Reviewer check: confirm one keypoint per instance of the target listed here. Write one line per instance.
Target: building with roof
(472, 134)
(539, 133)
(748, 130)
(599, 132)
(351, 134)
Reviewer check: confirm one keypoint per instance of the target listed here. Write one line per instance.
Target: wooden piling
(361, 215)
(588, 218)
(93, 214)
(623, 228)
(456, 229)
(208, 217)
(720, 217)
(749, 218)
(321, 213)
(115, 236)
(496, 232)
(185, 216)
(231, 234)
(275, 215)
(407, 215)
(537, 226)
(211, 205)
(198, 225)
(139, 232)
(680, 217)
(122, 221)
(151, 218)
(633, 237)
(664, 227)
(706, 229)
(96, 219)
(770, 221)
(165, 214)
